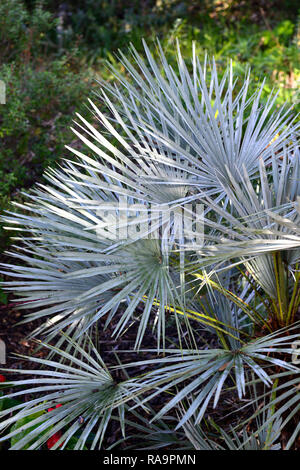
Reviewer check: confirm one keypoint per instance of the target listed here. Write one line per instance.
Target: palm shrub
(165, 142)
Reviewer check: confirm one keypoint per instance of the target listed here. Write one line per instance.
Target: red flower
(56, 406)
(53, 440)
(2, 378)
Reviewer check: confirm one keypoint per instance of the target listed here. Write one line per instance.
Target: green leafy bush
(41, 95)
(34, 121)
(23, 35)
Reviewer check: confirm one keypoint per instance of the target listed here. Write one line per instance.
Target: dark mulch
(16, 339)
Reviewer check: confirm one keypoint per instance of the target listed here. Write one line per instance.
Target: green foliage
(20, 424)
(34, 121)
(22, 35)
(41, 94)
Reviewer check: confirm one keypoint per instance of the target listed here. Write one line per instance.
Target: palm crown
(165, 142)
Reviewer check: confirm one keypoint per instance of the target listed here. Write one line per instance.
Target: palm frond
(84, 388)
(203, 373)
